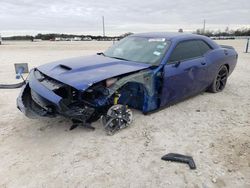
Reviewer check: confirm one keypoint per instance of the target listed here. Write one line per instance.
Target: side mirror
(177, 63)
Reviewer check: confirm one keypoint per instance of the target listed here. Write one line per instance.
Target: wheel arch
(134, 94)
(227, 65)
(144, 81)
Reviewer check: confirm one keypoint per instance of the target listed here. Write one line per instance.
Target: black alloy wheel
(220, 80)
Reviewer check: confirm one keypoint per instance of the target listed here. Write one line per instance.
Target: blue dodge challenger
(146, 71)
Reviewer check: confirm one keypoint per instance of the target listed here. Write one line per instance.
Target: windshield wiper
(101, 53)
(120, 58)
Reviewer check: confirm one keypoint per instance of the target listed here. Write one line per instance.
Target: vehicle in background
(36, 40)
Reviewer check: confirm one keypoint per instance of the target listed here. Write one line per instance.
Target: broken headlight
(110, 82)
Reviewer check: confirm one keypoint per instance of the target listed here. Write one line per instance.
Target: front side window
(139, 49)
(185, 50)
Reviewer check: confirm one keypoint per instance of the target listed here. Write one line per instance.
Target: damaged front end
(43, 96)
(47, 97)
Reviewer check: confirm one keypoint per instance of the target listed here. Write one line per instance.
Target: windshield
(139, 49)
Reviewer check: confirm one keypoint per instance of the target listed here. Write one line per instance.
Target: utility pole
(247, 45)
(204, 26)
(103, 26)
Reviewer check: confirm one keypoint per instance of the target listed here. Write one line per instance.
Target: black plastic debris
(77, 123)
(175, 157)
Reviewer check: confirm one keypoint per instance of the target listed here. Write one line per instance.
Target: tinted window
(185, 50)
(204, 47)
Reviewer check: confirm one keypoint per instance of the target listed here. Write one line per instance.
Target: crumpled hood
(82, 72)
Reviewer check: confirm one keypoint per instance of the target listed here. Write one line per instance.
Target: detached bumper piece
(180, 158)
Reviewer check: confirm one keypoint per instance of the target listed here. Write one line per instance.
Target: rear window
(203, 46)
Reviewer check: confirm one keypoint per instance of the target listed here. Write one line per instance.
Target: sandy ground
(213, 128)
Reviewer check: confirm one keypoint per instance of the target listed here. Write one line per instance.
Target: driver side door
(184, 73)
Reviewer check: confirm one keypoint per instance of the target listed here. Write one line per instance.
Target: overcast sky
(84, 17)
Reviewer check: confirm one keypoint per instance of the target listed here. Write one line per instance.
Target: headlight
(39, 76)
(110, 82)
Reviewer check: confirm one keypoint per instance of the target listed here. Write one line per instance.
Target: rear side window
(185, 50)
(204, 47)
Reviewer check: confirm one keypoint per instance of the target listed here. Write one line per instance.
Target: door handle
(203, 63)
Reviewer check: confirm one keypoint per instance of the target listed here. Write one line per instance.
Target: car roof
(167, 35)
(176, 37)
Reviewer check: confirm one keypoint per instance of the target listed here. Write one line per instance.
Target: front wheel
(220, 80)
(118, 117)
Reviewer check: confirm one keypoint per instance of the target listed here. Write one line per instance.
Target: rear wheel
(220, 80)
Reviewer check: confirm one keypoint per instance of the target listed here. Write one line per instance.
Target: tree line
(53, 36)
(226, 32)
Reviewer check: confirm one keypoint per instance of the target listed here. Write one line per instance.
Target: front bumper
(31, 108)
(36, 100)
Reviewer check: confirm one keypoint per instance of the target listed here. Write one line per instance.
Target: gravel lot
(213, 128)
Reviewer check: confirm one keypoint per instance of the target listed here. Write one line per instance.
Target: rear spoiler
(226, 46)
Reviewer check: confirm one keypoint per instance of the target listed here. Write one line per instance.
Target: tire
(220, 80)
